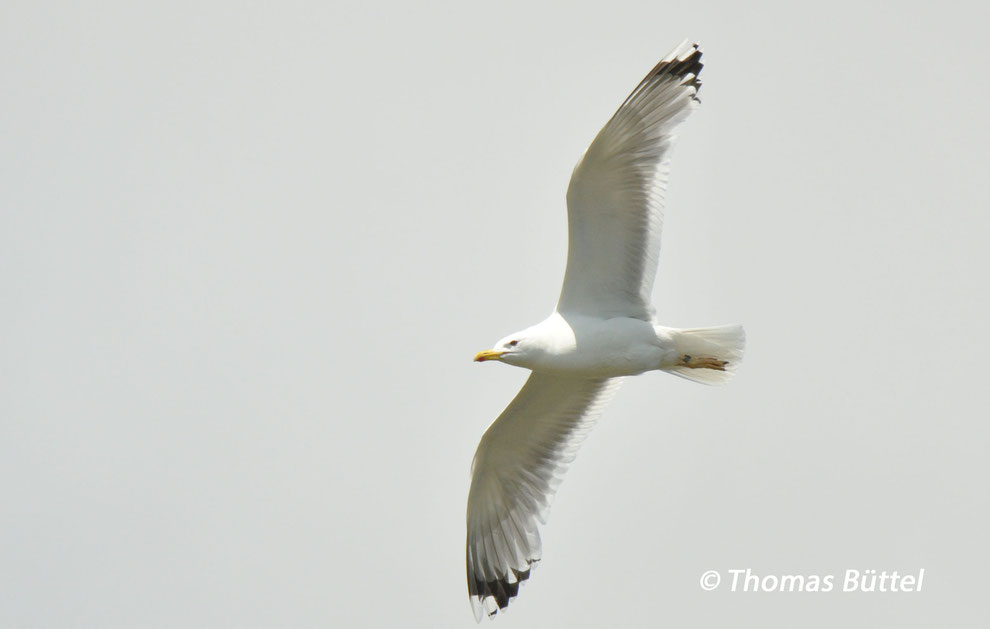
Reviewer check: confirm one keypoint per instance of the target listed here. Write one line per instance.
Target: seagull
(603, 328)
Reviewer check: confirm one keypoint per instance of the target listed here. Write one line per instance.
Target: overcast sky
(248, 251)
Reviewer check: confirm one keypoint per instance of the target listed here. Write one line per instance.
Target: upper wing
(615, 198)
(517, 468)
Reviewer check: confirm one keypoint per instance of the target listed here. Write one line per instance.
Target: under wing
(615, 198)
(519, 464)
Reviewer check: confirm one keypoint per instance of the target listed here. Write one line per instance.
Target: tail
(725, 343)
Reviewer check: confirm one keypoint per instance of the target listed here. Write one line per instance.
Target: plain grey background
(247, 252)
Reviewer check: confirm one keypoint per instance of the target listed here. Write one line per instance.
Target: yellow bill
(488, 354)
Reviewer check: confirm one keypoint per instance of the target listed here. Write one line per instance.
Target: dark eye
(513, 343)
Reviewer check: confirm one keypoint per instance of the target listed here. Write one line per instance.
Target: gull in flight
(603, 328)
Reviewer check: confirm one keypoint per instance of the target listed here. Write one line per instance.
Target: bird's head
(513, 349)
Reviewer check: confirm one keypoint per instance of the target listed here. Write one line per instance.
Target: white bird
(602, 329)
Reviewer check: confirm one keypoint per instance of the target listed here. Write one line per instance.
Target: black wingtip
(501, 590)
(684, 65)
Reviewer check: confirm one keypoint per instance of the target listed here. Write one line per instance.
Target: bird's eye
(513, 343)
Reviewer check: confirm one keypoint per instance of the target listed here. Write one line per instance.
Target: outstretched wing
(517, 468)
(615, 198)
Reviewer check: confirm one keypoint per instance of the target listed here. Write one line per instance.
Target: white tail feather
(725, 342)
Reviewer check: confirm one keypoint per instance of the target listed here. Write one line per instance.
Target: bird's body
(581, 345)
(603, 328)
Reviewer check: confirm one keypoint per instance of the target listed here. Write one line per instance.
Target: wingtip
(491, 598)
(685, 63)
(681, 50)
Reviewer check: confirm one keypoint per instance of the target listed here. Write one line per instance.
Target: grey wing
(615, 198)
(519, 464)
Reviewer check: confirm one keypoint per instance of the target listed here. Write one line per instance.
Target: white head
(518, 349)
